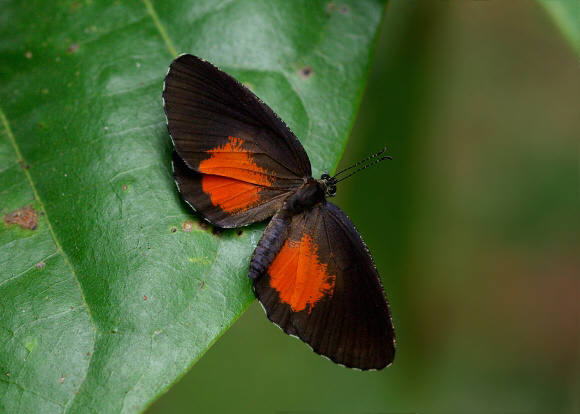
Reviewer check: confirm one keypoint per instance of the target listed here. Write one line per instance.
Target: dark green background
(473, 227)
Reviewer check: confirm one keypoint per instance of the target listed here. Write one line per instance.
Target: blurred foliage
(473, 227)
(566, 16)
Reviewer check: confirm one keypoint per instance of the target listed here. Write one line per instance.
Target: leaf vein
(41, 207)
(160, 27)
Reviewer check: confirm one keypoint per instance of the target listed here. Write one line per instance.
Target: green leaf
(565, 14)
(119, 289)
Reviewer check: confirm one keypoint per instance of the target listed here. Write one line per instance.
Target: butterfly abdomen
(270, 243)
(276, 233)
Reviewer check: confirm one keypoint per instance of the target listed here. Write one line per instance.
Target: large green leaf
(112, 297)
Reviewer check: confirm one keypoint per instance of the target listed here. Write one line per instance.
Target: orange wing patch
(233, 181)
(298, 276)
(229, 194)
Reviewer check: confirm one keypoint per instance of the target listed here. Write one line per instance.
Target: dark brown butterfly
(236, 163)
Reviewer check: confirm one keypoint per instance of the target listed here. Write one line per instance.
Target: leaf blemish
(344, 9)
(187, 226)
(203, 225)
(31, 345)
(306, 72)
(26, 217)
(217, 231)
(173, 229)
(72, 48)
(40, 265)
(74, 6)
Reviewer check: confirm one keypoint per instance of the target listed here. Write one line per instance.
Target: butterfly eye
(331, 190)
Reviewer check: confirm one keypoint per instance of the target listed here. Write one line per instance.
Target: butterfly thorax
(307, 196)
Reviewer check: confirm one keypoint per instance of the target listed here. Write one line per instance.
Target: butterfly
(237, 163)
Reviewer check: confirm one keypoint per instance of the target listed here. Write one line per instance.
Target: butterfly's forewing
(224, 201)
(324, 288)
(239, 159)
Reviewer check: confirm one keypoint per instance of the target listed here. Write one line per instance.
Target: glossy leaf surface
(118, 290)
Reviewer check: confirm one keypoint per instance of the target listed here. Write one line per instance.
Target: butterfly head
(329, 184)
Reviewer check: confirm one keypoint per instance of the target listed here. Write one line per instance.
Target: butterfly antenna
(360, 162)
(386, 157)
